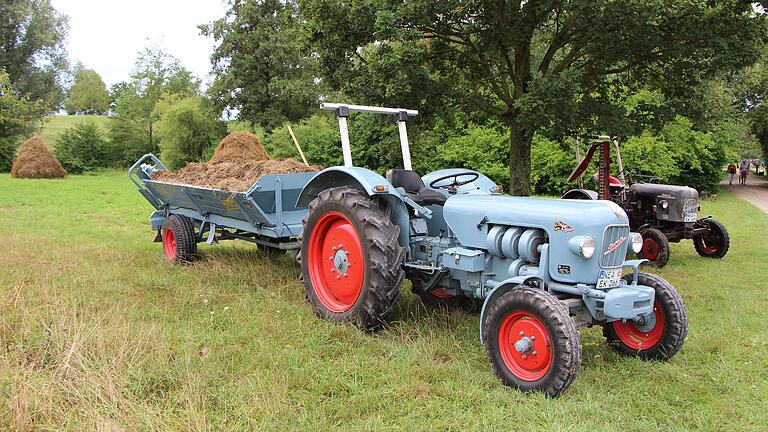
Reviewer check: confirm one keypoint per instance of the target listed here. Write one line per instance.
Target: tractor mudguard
(365, 180)
(503, 287)
(580, 194)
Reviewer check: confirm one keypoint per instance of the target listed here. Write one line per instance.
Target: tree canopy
(262, 69)
(156, 74)
(32, 36)
(530, 66)
(88, 94)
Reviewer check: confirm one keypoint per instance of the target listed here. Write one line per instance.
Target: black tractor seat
(414, 187)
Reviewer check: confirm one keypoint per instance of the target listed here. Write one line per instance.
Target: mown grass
(98, 332)
(52, 126)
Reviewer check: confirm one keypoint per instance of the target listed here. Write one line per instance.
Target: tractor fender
(584, 194)
(500, 289)
(365, 180)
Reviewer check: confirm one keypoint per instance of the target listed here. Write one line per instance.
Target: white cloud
(106, 35)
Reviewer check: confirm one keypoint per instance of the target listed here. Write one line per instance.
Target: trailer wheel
(715, 243)
(351, 261)
(179, 240)
(532, 342)
(662, 335)
(655, 248)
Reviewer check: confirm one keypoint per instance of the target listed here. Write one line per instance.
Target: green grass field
(52, 126)
(98, 332)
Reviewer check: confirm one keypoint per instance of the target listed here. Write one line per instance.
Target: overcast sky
(106, 35)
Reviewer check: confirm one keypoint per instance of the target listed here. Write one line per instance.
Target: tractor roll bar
(342, 113)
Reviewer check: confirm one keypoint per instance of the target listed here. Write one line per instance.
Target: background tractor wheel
(662, 335)
(351, 262)
(655, 248)
(715, 243)
(179, 239)
(440, 297)
(532, 342)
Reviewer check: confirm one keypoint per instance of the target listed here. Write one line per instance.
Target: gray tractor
(661, 213)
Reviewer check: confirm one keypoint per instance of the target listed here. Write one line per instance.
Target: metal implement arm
(342, 113)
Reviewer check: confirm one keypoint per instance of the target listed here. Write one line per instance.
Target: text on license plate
(608, 279)
(689, 216)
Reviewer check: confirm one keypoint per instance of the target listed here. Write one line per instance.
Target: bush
(551, 164)
(187, 128)
(479, 148)
(82, 148)
(8, 146)
(319, 139)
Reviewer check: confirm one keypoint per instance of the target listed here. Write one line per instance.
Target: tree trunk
(519, 159)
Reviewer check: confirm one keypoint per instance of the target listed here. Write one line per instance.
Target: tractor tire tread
(385, 271)
(567, 358)
(675, 314)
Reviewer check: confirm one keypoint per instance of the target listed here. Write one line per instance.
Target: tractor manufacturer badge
(563, 269)
(615, 245)
(562, 226)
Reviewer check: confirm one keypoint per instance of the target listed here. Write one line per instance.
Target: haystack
(35, 161)
(239, 146)
(238, 161)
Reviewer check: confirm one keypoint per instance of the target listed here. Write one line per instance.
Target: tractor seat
(414, 187)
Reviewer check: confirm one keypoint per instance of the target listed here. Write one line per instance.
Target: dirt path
(755, 191)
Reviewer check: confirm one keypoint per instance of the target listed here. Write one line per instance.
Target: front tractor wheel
(532, 342)
(655, 248)
(352, 264)
(179, 239)
(658, 336)
(715, 243)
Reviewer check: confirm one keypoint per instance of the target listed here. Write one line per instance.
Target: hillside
(54, 125)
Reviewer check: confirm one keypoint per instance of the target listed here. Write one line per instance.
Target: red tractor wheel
(352, 263)
(655, 247)
(658, 336)
(179, 239)
(715, 243)
(532, 342)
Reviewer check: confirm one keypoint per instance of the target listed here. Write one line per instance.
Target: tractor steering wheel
(455, 183)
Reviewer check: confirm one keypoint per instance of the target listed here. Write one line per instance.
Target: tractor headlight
(637, 242)
(582, 245)
(587, 247)
(663, 204)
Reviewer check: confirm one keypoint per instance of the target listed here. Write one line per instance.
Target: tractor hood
(653, 189)
(469, 216)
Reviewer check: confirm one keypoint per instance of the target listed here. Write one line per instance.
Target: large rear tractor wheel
(655, 248)
(179, 239)
(351, 262)
(715, 243)
(658, 336)
(532, 342)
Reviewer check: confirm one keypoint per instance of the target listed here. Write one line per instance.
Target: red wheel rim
(711, 242)
(533, 363)
(650, 249)
(169, 244)
(441, 293)
(633, 337)
(335, 262)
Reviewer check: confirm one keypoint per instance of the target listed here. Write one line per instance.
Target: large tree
(88, 94)
(528, 64)
(32, 36)
(261, 68)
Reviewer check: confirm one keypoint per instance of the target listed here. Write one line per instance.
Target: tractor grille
(614, 247)
(691, 205)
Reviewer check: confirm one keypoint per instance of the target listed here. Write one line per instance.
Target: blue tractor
(538, 269)
(541, 268)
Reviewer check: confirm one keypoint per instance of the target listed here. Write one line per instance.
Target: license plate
(689, 216)
(608, 279)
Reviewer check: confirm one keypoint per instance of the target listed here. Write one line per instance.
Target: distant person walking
(731, 170)
(743, 170)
